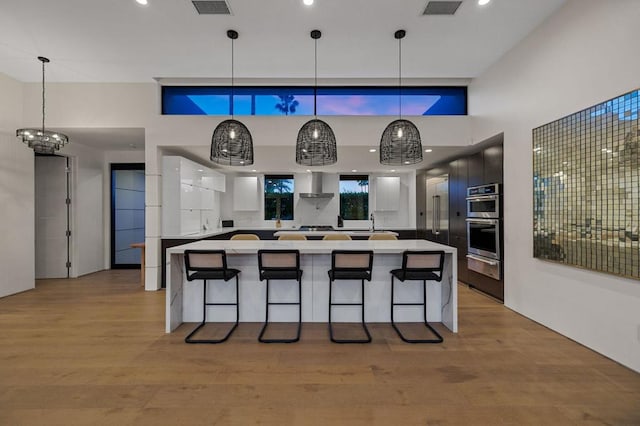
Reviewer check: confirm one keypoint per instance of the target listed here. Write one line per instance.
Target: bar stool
(280, 265)
(350, 265)
(292, 237)
(210, 265)
(423, 266)
(245, 237)
(336, 237)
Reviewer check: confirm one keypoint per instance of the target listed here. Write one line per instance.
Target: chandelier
(316, 143)
(231, 143)
(41, 140)
(400, 144)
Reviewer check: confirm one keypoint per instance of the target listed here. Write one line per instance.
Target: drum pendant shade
(400, 144)
(316, 143)
(231, 143)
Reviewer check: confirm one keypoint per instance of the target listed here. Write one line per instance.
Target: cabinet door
(245, 193)
(387, 193)
(493, 164)
(475, 169)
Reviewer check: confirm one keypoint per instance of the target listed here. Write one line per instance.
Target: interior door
(51, 215)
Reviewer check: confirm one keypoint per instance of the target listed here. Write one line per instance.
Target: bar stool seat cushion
(280, 275)
(349, 275)
(226, 275)
(403, 274)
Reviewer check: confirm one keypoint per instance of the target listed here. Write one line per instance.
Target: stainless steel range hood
(316, 188)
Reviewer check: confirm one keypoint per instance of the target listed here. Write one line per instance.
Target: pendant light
(400, 144)
(41, 140)
(231, 143)
(316, 144)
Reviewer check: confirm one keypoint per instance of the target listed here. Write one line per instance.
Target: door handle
(480, 259)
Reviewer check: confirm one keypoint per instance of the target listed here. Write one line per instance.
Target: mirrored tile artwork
(586, 188)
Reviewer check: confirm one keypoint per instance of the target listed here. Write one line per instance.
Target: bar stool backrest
(292, 236)
(245, 237)
(423, 261)
(360, 260)
(382, 237)
(204, 260)
(278, 260)
(336, 237)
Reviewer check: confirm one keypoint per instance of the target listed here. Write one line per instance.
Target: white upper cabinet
(387, 193)
(189, 201)
(246, 196)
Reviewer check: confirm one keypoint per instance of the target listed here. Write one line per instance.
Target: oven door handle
(489, 221)
(482, 198)
(483, 260)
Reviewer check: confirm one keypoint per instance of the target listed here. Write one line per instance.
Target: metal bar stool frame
(216, 271)
(341, 272)
(424, 274)
(272, 265)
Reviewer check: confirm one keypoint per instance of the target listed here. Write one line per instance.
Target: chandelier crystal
(42, 141)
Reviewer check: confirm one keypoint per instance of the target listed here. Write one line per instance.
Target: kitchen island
(184, 298)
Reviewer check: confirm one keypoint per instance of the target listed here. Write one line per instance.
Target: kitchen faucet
(373, 222)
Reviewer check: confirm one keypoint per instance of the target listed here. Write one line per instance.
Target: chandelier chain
(43, 98)
(400, 76)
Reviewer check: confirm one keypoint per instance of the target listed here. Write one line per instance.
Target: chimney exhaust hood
(316, 188)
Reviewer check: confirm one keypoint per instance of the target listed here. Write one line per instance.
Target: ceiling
(121, 41)
(167, 41)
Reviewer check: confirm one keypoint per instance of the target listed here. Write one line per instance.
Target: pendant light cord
(400, 77)
(232, 85)
(43, 97)
(315, 78)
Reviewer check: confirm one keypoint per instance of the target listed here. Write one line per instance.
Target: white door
(51, 217)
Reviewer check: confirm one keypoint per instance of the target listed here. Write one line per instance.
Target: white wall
(16, 195)
(584, 54)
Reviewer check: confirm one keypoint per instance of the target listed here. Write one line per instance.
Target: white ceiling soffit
(281, 159)
(169, 39)
(106, 138)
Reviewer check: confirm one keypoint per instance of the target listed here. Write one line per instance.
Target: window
(354, 197)
(278, 197)
(276, 100)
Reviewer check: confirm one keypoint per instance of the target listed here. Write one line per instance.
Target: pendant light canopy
(400, 144)
(316, 144)
(231, 143)
(41, 140)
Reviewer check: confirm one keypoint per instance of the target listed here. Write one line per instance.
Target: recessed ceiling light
(393, 171)
(142, 2)
(354, 170)
(428, 150)
(307, 2)
(483, 2)
(372, 150)
(254, 170)
(200, 170)
(308, 171)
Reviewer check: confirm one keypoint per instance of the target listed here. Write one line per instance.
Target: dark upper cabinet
(492, 158)
(475, 168)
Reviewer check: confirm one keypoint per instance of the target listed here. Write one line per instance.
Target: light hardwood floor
(93, 351)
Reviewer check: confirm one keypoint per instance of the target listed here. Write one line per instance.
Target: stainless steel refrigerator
(437, 209)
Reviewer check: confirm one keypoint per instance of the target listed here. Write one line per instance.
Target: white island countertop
(350, 232)
(311, 247)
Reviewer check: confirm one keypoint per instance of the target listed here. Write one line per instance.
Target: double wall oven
(483, 230)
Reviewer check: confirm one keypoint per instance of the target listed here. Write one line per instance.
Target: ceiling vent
(441, 7)
(212, 7)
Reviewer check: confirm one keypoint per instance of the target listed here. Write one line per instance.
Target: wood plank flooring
(92, 351)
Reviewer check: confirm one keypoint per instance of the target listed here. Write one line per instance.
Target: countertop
(311, 247)
(218, 231)
(352, 233)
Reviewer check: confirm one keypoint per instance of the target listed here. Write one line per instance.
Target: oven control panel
(492, 189)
